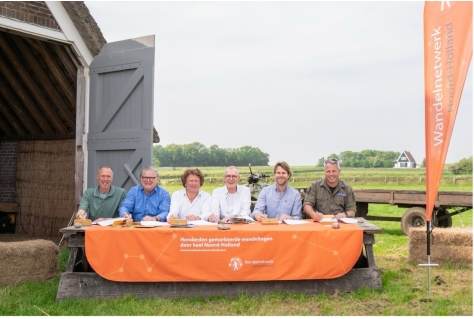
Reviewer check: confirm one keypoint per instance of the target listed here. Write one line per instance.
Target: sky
(298, 80)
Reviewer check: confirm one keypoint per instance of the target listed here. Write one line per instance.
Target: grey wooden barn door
(121, 110)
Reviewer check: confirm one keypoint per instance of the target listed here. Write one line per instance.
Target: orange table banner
(246, 252)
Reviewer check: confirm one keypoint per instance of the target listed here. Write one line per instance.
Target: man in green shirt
(330, 195)
(101, 202)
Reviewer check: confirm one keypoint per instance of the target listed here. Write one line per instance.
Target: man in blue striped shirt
(147, 201)
(279, 200)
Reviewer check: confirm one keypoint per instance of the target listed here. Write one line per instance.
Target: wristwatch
(157, 218)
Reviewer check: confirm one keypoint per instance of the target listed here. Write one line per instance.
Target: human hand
(192, 217)
(226, 219)
(149, 218)
(81, 214)
(213, 218)
(340, 215)
(259, 216)
(318, 216)
(284, 216)
(127, 216)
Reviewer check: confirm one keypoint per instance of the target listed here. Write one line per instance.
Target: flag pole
(428, 255)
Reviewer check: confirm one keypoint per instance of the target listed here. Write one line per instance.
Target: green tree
(464, 166)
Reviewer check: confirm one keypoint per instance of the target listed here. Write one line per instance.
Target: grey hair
(150, 168)
(231, 167)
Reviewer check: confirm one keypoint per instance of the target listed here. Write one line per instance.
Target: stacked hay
(447, 244)
(31, 260)
(45, 186)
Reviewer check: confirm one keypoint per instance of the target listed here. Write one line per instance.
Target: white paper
(153, 223)
(107, 222)
(295, 222)
(348, 220)
(201, 222)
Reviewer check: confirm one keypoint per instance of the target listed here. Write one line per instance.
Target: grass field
(404, 292)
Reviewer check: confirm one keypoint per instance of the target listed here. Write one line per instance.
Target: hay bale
(45, 186)
(31, 260)
(447, 244)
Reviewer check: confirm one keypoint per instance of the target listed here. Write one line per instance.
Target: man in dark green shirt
(330, 196)
(101, 202)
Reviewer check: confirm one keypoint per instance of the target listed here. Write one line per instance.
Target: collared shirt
(181, 206)
(274, 204)
(320, 197)
(98, 205)
(157, 203)
(241, 202)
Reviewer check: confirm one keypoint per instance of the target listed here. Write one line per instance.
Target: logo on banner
(235, 263)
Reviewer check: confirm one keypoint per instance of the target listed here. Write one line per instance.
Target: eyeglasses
(331, 160)
(150, 178)
(231, 176)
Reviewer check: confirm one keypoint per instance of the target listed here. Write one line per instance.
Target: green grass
(404, 292)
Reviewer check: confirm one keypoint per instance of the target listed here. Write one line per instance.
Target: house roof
(85, 25)
(410, 157)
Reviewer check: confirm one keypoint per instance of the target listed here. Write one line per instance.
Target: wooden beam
(68, 64)
(80, 122)
(10, 117)
(20, 91)
(55, 69)
(39, 97)
(4, 126)
(68, 117)
(37, 137)
(90, 285)
(15, 105)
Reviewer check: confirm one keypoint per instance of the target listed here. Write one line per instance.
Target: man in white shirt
(230, 200)
(191, 202)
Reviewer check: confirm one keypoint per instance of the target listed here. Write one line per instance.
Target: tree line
(196, 154)
(364, 159)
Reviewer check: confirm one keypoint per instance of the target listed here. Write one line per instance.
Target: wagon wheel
(447, 222)
(413, 217)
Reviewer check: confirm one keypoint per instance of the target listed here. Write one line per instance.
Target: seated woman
(191, 202)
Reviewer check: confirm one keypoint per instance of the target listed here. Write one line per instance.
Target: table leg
(72, 259)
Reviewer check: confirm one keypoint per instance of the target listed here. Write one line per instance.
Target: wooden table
(80, 281)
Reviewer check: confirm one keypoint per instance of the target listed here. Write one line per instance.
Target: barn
(69, 103)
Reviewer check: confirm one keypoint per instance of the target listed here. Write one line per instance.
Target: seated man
(230, 200)
(191, 202)
(330, 196)
(146, 201)
(279, 200)
(101, 202)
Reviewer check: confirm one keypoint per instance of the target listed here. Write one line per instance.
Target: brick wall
(8, 155)
(32, 12)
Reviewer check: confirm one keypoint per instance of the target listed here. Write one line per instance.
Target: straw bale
(447, 244)
(31, 260)
(442, 236)
(45, 186)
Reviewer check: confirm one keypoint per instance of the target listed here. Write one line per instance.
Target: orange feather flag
(448, 52)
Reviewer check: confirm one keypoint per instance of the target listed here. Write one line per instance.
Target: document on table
(348, 220)
(153, 223)
(107, 222)
(326, 220)
(201, 223)
(247, 218)
(295, 222)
